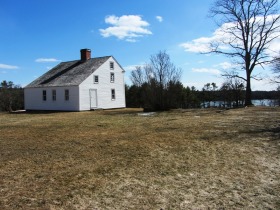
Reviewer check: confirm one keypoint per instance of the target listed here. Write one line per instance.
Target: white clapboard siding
(33, 98)
(104, 87)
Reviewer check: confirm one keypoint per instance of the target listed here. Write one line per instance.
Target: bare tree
(137, 76)
(247, 27)
(232, 89)
(163, 69)
(157, 77)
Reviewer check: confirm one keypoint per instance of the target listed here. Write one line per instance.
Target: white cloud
(5, 66)
(264, 84)
(159, 18)
(200, 45)
(227, 65)
(206, 70)
(274, 49)
(126, 27)
(203, 44)
(223, 36)
(46, 60)
(132, 67)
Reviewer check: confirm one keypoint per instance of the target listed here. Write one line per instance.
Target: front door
(93, 98)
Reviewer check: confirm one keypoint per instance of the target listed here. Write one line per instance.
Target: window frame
(112, 77)
(54, 95)
(112, 65)
(44, 95)
(113, 94)
(66, 95)
(94, 79)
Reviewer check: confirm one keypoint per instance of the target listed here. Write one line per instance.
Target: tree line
(156, 86)
(11, 96)
(226, 96)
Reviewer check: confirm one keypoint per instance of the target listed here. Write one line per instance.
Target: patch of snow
(146, 114)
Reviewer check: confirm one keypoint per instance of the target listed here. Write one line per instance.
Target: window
(54, 95)
(111, 65)
(96, 79)
(44, 95)
(66, 95)
(112, 77)
(113, 94)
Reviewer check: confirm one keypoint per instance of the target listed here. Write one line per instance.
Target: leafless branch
(253, 25)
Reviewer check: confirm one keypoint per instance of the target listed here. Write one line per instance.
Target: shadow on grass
(274, 132)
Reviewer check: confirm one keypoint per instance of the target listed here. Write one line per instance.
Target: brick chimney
(85, 54)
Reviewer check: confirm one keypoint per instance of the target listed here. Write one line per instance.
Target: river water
(263, 102)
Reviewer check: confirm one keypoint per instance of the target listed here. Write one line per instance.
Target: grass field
(183, 159)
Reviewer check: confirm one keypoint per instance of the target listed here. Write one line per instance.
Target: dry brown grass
(184, 159)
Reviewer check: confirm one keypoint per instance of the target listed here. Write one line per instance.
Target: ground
(118, 159)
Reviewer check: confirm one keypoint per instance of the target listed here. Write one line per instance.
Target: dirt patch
(182, 159)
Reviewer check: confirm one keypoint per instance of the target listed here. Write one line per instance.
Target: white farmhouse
(85, 84)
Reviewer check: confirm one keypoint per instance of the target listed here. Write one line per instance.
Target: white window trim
(112, 81)
(112, 65)
(113, 98)
(95, 76)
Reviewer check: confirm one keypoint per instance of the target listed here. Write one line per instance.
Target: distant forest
(259, 95)
(186, 97)
(12, 96)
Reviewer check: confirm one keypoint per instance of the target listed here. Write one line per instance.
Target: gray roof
(69, 73)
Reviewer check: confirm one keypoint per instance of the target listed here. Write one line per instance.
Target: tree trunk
(248, 101)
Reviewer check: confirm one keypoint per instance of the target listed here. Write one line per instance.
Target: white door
(93, 98)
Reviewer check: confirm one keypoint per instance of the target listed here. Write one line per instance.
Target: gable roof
(69, 73)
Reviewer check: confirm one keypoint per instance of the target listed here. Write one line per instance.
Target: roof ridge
(88, 59)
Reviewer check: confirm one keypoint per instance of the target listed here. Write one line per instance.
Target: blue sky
(38, 34)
